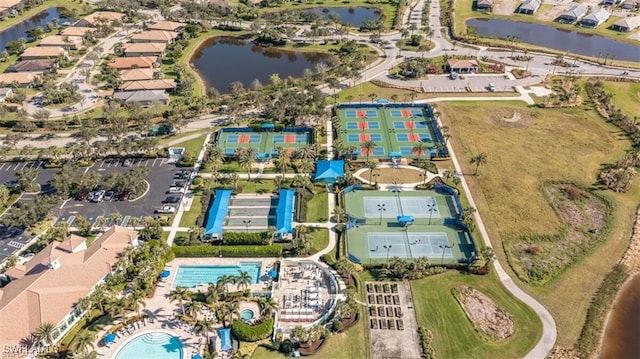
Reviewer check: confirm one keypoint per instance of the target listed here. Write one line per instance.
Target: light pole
(381, 209)
(387, 247)
(444, 248)
(246, 223)
(424, 176)
(431, 207)
(220, 247)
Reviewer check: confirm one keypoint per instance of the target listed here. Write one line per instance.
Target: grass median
(543, 146)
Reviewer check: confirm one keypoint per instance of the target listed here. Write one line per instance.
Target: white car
(98, 196)
(166, 209)
(176, 190)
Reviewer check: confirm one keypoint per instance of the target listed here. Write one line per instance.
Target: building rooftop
(144, 47)
(138, 74)
(76, 30)
(94, 18)
(148, 85)
(32, 65)
(628, 22)
(43, 51)
(58, 40)
(19, 77)
(155, 35)
(129, 62)
(142, 96)
(167, 26)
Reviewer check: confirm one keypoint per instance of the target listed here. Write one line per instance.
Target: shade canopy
(329, 171)
(225, 338)
(110, 338)
(272, 273)
(284, 211)
(165, 274)
(196, 356)
(267, 125)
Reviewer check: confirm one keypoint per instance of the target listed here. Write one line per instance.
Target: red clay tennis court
(290, 139)
(409, 125)
(244, 139)
(413, 137)
(406, 113)
(362, 125)
(361, 113)
(365, 137)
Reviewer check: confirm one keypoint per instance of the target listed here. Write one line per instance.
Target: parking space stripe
(1, 167)
(16, 166)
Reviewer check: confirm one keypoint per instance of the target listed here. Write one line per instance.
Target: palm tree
(284, 160)
(418, 150)
(196, 233)
(180, 294)
(116, 218)
(267, 306)
(478, 160)
(372, 166)
(225, 280)
(206, 326)
(339, 214)
(193, 309)
(99, 297)
(83, 341)
(367, 147)
(87, 355)
(305, 166)
(136, 301)
(243, 280)
(246, 159)
(214, 291)
(44, 333)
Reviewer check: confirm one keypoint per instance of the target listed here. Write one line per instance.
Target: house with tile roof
(42, 65)
(144, 49)
(159, 84)
(47, 288)
(145, 97)
(72, 42)
(22, 79)
(462, 66)
(162, 36)
(142, 62)
(77, 31)
(42, 52)
(99, 17)
(167, 26)
(139, 74)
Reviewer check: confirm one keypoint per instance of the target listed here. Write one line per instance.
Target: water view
(558, 39)
(353, 16)
(223, 60)
(18, 30)
(621, 333)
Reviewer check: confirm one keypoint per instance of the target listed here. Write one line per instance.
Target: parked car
(166, 209)
(124, 196)
(171, 199)
(181, 175)
(82, 195)
(109, 196)
(127, 163)
(179, 183)
(174, 190)
(91, 195)
(99, 196)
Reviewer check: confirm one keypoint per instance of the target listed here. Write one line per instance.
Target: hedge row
(228, 251)
(252, 333)
(243, 238)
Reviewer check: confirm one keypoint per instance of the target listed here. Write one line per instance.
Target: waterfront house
(139, 74)
(143, 62)
(44, 65)
(7, 6)
(42, 52)
(99, 18)
(77, 31)
(462, 66)
(66, 42)
(145, 97)
(596, 18)
(167, 26)
(529, 7)
(161, 36)
(167, 84)
(144, 49)
(574, 14)
(47, 288)
(627, 24)
(484, 5)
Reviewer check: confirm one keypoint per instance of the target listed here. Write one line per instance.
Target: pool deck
(161, 311)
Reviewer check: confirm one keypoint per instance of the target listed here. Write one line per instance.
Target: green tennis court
(264, 143)
(395, 129)
(374, 234)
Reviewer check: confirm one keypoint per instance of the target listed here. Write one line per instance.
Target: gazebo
(329, 171)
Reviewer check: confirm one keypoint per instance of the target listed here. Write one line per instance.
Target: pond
(223, 60)
(18, 30)
(558, 39)
(352, 16)
(621, 333)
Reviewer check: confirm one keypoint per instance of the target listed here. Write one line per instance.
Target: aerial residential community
(359, 179)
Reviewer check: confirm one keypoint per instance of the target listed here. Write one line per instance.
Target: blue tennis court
(375, 137)
(406, 151)
(350, 113)
(395, 113)
(417, 113)
(363, 125)
(353, 137)
(372, 113)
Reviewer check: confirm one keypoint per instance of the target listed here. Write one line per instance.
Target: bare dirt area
(504, 7)
(554, 12)
(392, 175)
(485, 315)
(392, 321)
(508, 117)
(635, 36)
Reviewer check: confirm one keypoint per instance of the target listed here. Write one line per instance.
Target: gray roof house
(631, 4)
(144, 97)
(484, 5)
(595, 19)
(626, 24)
(574, 14)
(530, 7)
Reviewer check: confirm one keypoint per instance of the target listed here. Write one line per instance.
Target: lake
(558, 39)
(353, 16)
(18, 30)
(621, 333)
(223, 60)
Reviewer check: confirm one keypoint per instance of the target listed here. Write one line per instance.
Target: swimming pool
(152, 345)
(192, 276)
(247, 315)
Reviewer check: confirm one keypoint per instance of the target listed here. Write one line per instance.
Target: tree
(419, 149)
(284, 160)
(180, 294)
(116, 218)
(83, 341)
(206, 326)
(267, 306)
(4, 194)
(193, 309)
(225, 280)
(246, 159)
(372, 166)
(26, 178)
(44, 333)
(83, 225)
(368, 147)
(243, 280)
(478, 160)
(196, 233)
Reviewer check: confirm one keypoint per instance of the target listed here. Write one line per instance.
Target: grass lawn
(192, 146)
(318, 208)
(545, 145)
(453, 334)
(189, 217)
(259, 185)
(319, 239)
(626, 96)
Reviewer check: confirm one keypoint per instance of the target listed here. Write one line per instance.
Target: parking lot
(476, 83)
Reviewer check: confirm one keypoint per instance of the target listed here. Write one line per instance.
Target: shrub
(228, 251)
(242, 238)
(336, 325)
(251, 333)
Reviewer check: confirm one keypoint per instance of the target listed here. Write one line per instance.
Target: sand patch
(504, 7)
(515, 118)
(485, 315)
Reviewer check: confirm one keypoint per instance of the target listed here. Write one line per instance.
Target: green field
(317, 207)
(545, 145)
(453, 335)
(189, 217)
